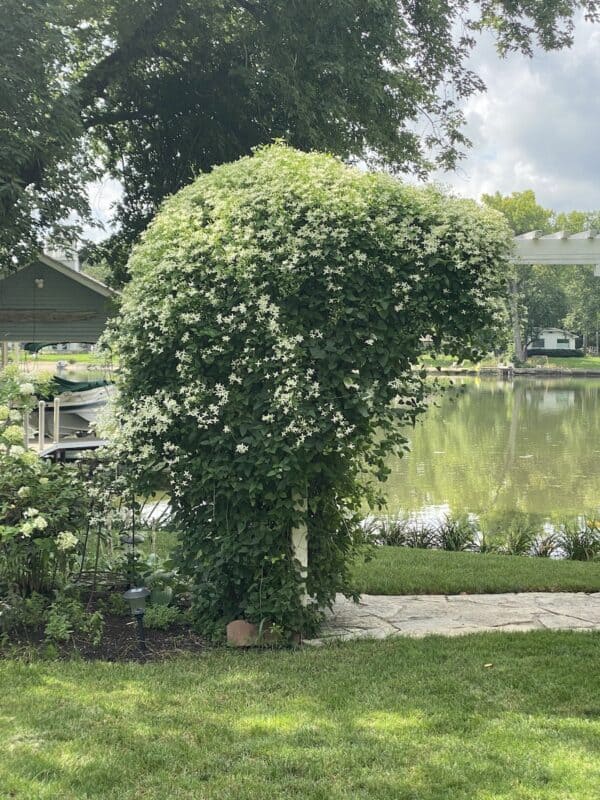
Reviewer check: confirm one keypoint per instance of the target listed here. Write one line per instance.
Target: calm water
(529, 446)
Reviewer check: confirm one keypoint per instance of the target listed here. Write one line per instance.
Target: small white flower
(241, 448)
(26, 388)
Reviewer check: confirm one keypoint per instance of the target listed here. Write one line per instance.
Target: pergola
(552, 248)
(559, 248)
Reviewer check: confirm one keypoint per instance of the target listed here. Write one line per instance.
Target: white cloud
(102, 197)
(536, 126)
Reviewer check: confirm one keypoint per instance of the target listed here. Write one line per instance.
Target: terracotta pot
(241, 633)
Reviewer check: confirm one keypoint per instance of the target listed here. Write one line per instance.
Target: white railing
(29, 436)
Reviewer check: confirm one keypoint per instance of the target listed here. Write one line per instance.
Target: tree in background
(523, 214)
(522, 211)
(156, 91)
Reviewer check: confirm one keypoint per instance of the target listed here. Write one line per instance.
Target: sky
(537, 127)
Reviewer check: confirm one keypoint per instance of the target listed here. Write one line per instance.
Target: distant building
(50, 302)
(553, 339)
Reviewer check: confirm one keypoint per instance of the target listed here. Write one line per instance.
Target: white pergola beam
(558, 248)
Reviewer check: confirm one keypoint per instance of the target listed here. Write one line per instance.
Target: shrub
(275, 308)
(41, 504)
(556, 353)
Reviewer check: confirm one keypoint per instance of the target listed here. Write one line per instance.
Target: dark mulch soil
(119, 643)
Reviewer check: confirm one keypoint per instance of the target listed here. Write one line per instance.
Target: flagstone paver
(378, 616)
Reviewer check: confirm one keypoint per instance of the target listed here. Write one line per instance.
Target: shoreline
(510, 372)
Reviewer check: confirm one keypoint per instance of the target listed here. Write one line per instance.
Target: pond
(493, 448)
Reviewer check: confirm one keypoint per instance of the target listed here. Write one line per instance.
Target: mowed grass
(404, 570)
(491, 716)
(584, 362)
(571, 363)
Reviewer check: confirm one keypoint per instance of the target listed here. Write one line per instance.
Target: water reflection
(529, 446)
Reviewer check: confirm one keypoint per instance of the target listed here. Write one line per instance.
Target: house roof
(78, 277)
(559, 330)
(48, 301)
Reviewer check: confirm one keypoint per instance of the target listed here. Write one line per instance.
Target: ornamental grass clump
(275, 309)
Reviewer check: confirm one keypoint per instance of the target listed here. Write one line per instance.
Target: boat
(80, 403)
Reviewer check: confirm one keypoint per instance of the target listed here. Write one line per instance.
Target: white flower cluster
(66, 541)
(34, 521)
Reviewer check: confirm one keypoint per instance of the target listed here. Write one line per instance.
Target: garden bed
(119, 643)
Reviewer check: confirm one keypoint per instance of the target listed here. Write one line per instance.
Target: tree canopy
(156, 91)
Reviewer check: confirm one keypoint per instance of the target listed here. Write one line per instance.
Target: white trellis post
(56, 420)
(41, 425)
(300, 540)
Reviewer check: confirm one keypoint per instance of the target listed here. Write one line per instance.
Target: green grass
(402, 570)
(449, 361)
(585, 362)
(399, 719)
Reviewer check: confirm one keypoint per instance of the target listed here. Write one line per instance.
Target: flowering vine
(267, 342)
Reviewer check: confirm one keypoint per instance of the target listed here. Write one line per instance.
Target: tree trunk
(520, 352)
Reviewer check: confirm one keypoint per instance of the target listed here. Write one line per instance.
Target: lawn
(403, 570)
(585, 362)
(490, 716)
(50, 358)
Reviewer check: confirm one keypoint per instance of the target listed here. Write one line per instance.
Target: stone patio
(378, 616)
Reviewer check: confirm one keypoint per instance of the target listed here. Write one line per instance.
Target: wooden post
(516, 322)
(56, 422)
(41, 425)
(300, 541)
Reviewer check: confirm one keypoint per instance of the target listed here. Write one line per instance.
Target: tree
(522, 211)
(583, 299)
(156, 91)
(546, 304)
(275, 308)
(523, 214)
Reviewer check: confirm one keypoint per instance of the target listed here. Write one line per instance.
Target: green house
(49, 302)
